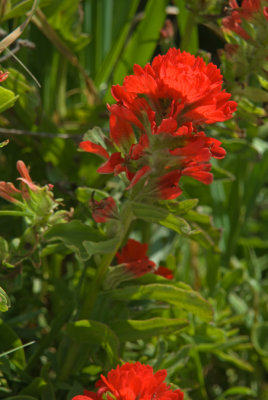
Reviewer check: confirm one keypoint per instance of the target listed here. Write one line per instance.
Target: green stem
(15, 213)
(92, 292)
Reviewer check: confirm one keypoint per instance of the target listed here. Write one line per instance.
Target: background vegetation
(75, 50)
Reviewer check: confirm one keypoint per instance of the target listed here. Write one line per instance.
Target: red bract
(133, 381)
(177, 85)
(154, 124)
(133, 256)
(3, 76)
(233, 22)
(103, 210)
(9, 192)
(164, 272)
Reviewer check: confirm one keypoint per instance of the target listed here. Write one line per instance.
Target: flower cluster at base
(154, 126)
(132, 381)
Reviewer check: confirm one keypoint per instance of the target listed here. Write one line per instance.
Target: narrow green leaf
(238, 390)
(111, 58)
(144, 329)
(235, 360)
(19, 10)
(187, 300)
(143, 42)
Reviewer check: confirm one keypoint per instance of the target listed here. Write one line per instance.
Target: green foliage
(63, 322)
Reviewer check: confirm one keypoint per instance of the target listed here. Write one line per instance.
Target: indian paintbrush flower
(132, 381)
(37, 202)
(154, 126)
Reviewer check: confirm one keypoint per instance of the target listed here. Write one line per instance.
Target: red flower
(3, 76)
(133, 381)
(180, 86)
(164, 272)
(133, 255)
(103, 210)
(233, 22)
(154, 124)
(137, 263)
(9, 192)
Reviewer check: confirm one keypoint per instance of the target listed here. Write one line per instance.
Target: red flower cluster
(10, 193)
(155, 123)
(246, 12)
(3, 76)
(133, 381)
(133, 256)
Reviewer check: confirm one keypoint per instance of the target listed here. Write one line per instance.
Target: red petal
(138, 176)
(110, 165)
(94, 148)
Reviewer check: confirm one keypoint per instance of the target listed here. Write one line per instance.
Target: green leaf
(84, 194)
(73, 235)
(111, 58)
(21, 397)
(145, 329)
(95, 334)
(19, 10)
(253, 242)
(96, 135)
(4, 300)
(232, 358)
(143, 42)
(181, 207)
(7, 99)
(101, 247)
(222, 175)
(35, 388)
(260, 338)
(2, 144)
(9, 340)
(185, 299)
(161, 216)
(252, 93)
(187, 27)
(3, 249)
(237, 390)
